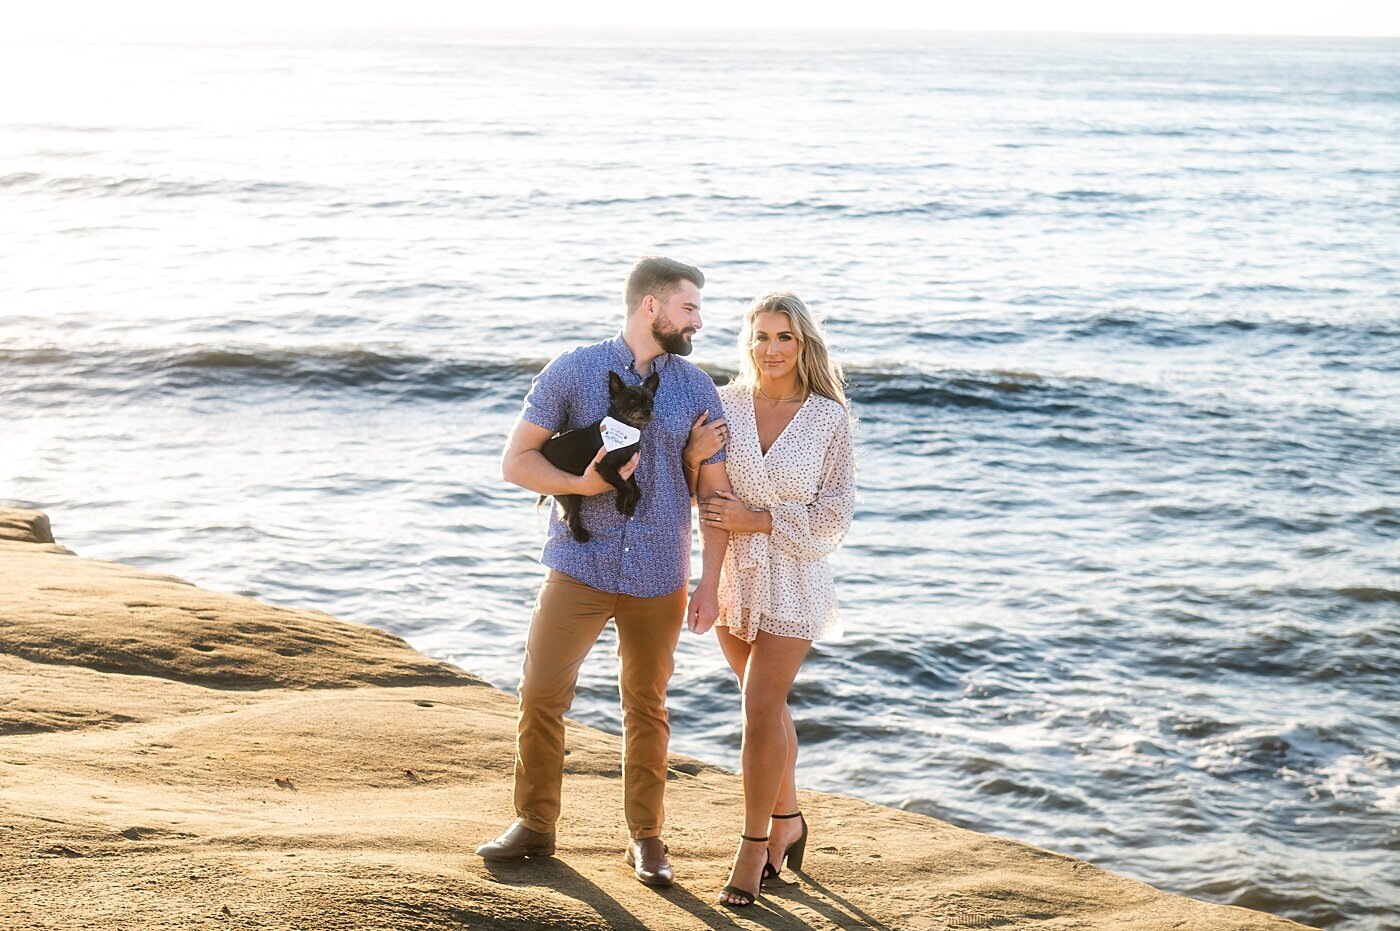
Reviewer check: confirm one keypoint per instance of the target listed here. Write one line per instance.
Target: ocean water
(1122, 319)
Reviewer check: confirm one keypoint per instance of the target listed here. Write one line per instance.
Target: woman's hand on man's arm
(725, 512)
(704, 441)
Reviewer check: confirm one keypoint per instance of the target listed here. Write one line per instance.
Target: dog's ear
(614, 384)
(651, 384)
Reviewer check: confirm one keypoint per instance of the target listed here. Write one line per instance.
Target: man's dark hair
(658, 276)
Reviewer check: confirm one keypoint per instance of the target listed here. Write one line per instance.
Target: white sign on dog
(617, 434)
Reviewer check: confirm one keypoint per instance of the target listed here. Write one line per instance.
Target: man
(633, 570)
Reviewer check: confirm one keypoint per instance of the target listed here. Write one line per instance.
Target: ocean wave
(386, 370)
(997, 389)
(816, 209)
(1101, 196)
(107, 186)
(1084, 129)
(1156, 328)
(933, 208)
(1277, 897)
(1029, 793)
(1361, 339)
(1381, 518)
(140, 370)
(1285, 652)
(1369, 594)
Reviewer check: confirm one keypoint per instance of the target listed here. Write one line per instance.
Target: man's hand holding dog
(591, 483)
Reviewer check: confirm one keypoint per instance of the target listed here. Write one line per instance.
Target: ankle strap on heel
(795, 814)
(756, 840)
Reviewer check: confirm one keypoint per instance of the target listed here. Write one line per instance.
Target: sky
(87, 19)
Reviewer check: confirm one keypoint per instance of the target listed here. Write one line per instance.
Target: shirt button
(627, 549)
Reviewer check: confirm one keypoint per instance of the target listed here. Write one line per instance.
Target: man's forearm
(692, 478)
(713, 543)
(532, 471)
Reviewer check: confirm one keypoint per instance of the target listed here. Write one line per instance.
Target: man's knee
(649, 700)
(646, 714)
(545, 699)
(643, 685)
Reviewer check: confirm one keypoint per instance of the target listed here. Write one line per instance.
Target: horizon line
(414, 30)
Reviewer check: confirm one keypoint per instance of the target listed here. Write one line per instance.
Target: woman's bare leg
(787, 792)
(772, 665)
(784, 831)
(735, 650)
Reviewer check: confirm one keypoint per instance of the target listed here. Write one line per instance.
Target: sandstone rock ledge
(176, 758)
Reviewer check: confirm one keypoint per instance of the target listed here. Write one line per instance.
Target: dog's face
(632, 405)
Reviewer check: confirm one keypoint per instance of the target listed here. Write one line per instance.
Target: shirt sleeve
(547, 403)
(709, 401)
(815, 530)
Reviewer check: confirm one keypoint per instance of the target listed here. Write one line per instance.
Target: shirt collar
(623, 354)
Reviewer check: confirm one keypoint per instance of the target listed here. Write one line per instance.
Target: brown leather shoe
(648, 857)
(518, 841)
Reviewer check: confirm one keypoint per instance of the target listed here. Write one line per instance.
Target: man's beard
(673, 341)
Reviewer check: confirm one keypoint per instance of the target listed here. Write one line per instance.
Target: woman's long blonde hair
(816, 372)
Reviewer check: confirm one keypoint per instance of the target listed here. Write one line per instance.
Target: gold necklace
(776, 400)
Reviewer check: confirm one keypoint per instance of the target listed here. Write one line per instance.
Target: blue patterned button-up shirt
(648, 554)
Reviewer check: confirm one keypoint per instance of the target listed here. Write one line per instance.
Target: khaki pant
(569, 616)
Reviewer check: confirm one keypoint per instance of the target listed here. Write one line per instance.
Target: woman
(791, 466)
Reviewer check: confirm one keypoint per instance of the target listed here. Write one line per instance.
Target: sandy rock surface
(172, 757)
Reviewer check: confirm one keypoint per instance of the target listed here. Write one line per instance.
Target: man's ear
(652, 383)
(615, 383)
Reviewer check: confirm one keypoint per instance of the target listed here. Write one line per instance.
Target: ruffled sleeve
(814, 530)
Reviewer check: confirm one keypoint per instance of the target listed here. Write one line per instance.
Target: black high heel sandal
(793, 854)
(745, 896)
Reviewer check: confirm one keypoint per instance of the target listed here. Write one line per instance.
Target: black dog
(574, 450)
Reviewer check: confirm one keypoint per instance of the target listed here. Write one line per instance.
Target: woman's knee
(765, 706)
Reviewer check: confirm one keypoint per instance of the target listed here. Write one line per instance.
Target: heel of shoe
(799, 848)
(795, 853)
(792, 856)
